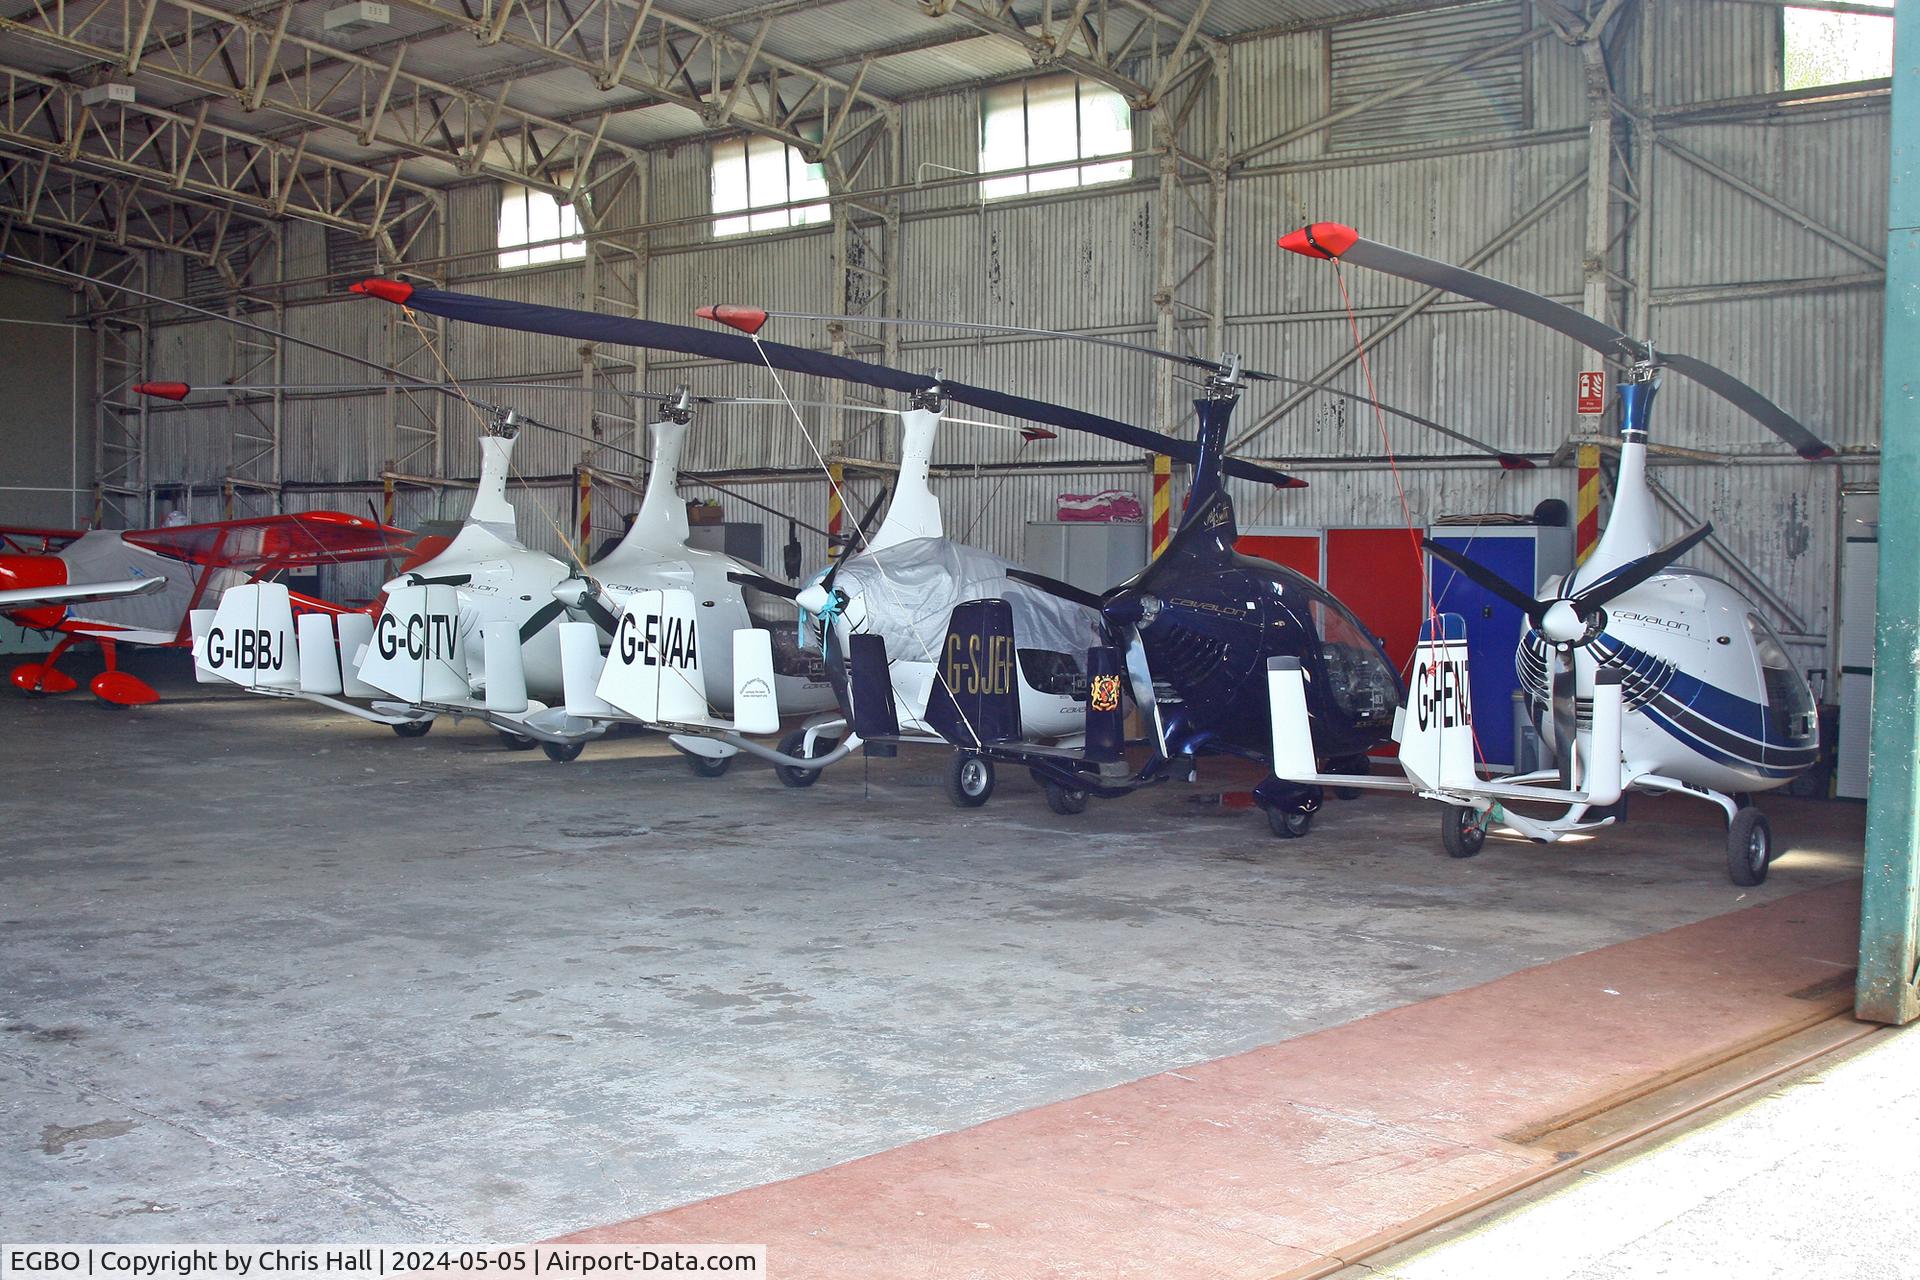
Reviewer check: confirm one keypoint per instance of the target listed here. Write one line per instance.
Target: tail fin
(506, 671)
(755, 708)
(1437, 750)
(653, 670)
(356, 639)
(250, 640)
(1602, 781)
(870, 688)
(1106, 718)
(418, 653)
(1292, 729)
(975, 698)
(319, 654)
(581, 663)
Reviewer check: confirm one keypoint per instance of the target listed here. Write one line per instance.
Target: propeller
(1569, 622)
(1334, 240)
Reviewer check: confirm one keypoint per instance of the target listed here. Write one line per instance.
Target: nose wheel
(1749, 846)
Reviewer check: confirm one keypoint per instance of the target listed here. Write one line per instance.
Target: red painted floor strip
(1270, 1160)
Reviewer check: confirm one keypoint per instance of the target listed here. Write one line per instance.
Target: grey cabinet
(1091, 556)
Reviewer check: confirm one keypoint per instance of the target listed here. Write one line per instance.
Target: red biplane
(136, 586)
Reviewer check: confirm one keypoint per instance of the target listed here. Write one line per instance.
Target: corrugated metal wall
(1735, 281)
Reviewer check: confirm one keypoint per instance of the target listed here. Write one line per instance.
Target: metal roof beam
(191, 154)
(637, 45)
(258, 64)
(37, 192)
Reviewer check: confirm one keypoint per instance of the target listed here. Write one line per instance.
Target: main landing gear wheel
(1463, 830)
(969, 779)
(708, 766)
(412, 728)
(517, 741)
(562, 752)
(1065, 801)
(1289, 824)
(794, 744)
(1749, 846)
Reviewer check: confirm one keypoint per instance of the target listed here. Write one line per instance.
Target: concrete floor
(272, 974)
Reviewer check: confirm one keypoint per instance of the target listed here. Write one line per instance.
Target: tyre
(794, 745)
(1749, 847)
(412, 728)
(517, 741)
(1065, 801)
(1463, 830)
(708, 766)
(969, 779)
(1289, 824)
(562, 752)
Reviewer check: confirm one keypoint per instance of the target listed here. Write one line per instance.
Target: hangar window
(1052, 120)
(1821, 47)
(529, 217)
(758, 174)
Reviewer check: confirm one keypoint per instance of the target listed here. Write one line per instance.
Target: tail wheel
(969, 779)
(562, 752)
(1065, 801)
(517, 741)
(412, 728)
(1463, 830)
(1749, 847)
(708, 766)
(795, 745)
(1289, 824)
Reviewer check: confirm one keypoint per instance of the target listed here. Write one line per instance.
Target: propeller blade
(866, 517)
(1566, 717)
(1634, 572)
(595, 608)
(567, 322)
(1332, 240)
(1054, 587)
(1488, 579)
(760, 582)
(537, 623)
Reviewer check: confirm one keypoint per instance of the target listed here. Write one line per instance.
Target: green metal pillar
(1890, 908)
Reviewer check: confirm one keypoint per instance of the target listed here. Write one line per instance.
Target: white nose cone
(1561, 623)
(570, 592)
(812, 598)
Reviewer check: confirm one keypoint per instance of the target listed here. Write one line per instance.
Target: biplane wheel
(1749, 847)
(1289, 824)
(1065, 801)
(1463, 830)
(708, 766)
(794, 744)
(969, 779)
(517, 741)
(412, 728)
(563, 752)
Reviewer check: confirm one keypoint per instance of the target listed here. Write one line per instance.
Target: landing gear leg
(40, 679)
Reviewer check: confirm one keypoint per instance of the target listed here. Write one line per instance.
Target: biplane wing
(20, 539)
(79, 592)
(299, 540)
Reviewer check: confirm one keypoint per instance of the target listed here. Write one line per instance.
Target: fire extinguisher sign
(1593, 393)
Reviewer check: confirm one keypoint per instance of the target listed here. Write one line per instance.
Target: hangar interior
(714, 988)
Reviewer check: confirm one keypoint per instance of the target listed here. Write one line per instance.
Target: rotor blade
(1332, 240)
(1054, 587)
(1566, 716)
(1488, 579)
(1741, 396)
(1634, 572)
(566, 322)
(760, 582)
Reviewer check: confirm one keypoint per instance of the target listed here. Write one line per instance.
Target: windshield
(1358, 678)
(1790, 711)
